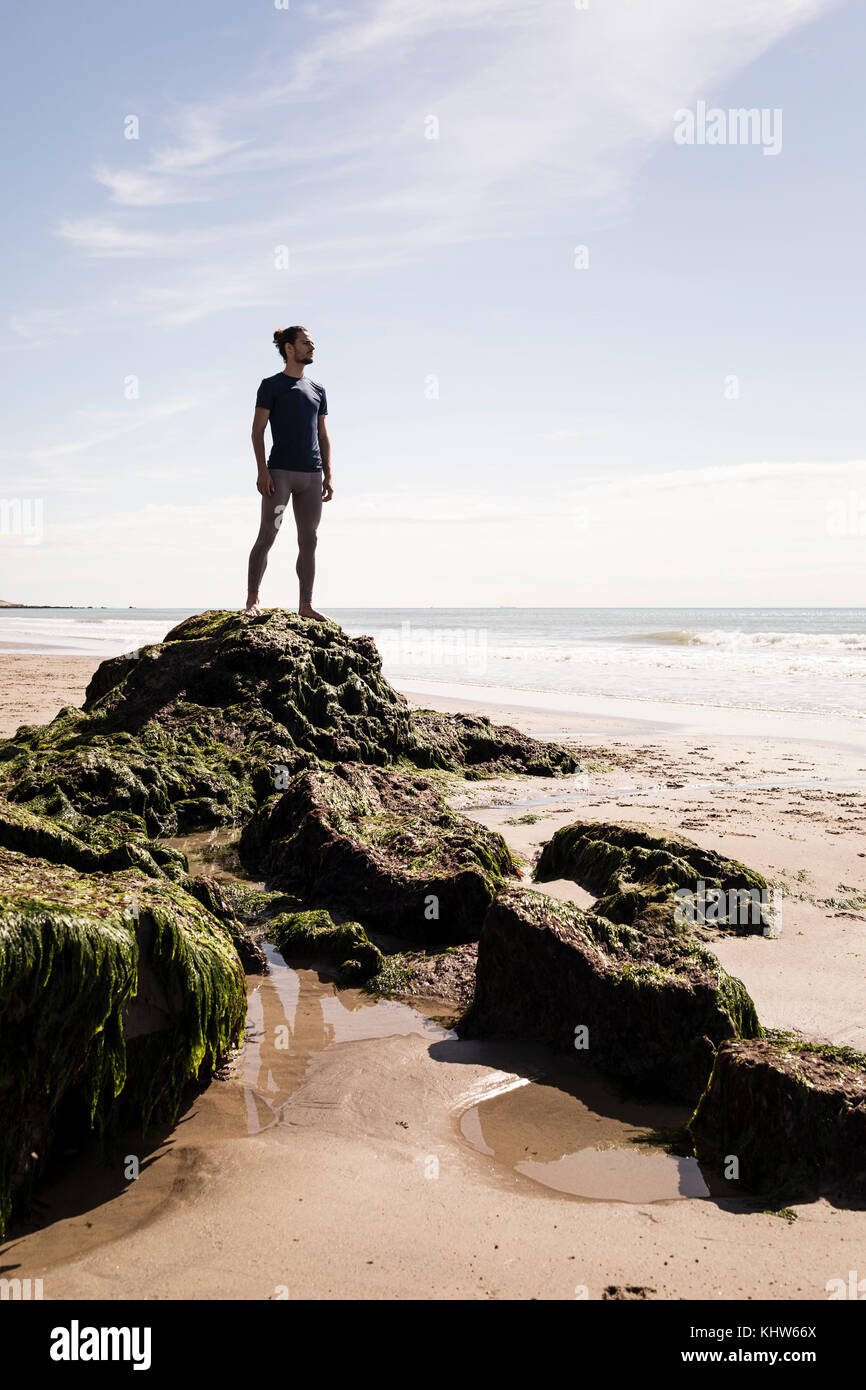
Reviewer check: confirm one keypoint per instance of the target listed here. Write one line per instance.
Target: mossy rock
(655, 1006)
(257, 906)
(395, 976)
(115, 991)
(314, 935)
(220, 904)
(792, 1113)
(93, 847)
(636, 874)
(478, 748)
(382, 847)
(198, 730)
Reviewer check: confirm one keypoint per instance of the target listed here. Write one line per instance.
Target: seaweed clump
(115, 991)
(313, 935)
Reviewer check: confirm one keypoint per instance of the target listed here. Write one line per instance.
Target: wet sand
(358, 1150)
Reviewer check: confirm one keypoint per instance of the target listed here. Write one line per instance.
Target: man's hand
(265, 484)
(327, 488)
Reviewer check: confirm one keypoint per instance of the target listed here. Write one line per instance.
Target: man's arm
(325, 451)
(264, 482)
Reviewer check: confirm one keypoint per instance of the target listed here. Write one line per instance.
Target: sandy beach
(379, 1157)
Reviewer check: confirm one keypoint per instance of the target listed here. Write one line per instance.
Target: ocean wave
(844, 642)
(670, 639)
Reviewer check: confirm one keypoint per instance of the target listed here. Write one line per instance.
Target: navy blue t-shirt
(295, 403)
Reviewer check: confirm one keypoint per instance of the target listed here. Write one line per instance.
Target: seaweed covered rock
(381, 846)
(209, 892)
(115, 990)
(655, 1007)
(793, 1113)
(478, 748)
(110, 852)
(197, 730)
(100, 847)
(315, 936)
(656, 880)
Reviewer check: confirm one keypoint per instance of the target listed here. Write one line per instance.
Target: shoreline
(31, 678)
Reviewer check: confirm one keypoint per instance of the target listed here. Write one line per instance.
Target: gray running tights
(305, 490)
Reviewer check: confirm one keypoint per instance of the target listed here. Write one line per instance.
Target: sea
(804, 660)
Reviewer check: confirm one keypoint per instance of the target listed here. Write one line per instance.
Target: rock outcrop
(382, 847)
(115, 991)
(93, 847)
(197, 730)
(315, 937)
(654, 1006)
(792, 1113)
(470, 744)
(658, 881)
(122, 976)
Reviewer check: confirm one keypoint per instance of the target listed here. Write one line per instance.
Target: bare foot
(306, 610)
(252, 609)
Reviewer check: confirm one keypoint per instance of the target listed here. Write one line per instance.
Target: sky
(570, 358)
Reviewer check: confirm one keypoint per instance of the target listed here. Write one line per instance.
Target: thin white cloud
(106, 239)
(200, 145)
(136, 189)
(89, 430)
(41, 325)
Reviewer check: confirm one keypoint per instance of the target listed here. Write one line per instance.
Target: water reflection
(292, 1016)
(559, 1140)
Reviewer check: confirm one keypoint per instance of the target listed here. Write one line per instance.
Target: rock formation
(636, 875)
(381, 846)
(792, 1113)
(115, 990)
(122, 975)
(650, 1008)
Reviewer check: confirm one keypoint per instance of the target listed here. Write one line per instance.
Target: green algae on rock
(655, 1007)
(115, 990)
(220, 904)
(316, 936)
(93, 847)
(641, 876)
(197, 730)
(792, 1113)
(381, 846)
(42, 838)
(470, 743)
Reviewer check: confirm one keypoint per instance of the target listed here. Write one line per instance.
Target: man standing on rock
(299, 465)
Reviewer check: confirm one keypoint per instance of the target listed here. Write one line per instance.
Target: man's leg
(307, 506)
(273, 509)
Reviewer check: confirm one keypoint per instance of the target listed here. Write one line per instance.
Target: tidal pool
(581, 1140)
